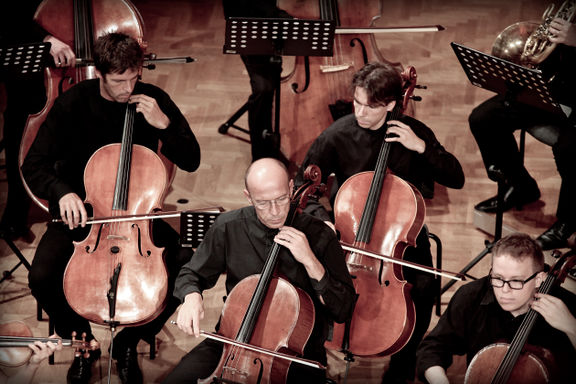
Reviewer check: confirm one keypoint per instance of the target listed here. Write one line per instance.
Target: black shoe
(80, 371)
(556, 236)
(127, 365)
(13, 232)
(513, 197)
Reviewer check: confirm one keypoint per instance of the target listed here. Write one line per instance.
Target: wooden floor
(209, 90)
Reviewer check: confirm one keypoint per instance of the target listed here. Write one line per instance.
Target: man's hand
(148, 106)
(61, 52)
(190, 314)
(562, 32)
(297, 243)
(406, 136)
(72, 210)
(556, 313)
(42, 350)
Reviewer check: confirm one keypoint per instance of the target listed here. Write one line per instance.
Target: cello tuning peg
(416, 98)
(418, 86)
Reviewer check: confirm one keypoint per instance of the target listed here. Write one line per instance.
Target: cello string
(519, 340)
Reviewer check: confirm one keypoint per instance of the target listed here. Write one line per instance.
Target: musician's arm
(436, 375)
(179, 144)
(557, 314)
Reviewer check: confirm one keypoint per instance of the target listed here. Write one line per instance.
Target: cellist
(352, 144)
(491, 309)
(238, 243)
(84, 119)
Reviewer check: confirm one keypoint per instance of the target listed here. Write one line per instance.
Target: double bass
(77, 23)
(519, 362)
(379, 212)
(315, 90)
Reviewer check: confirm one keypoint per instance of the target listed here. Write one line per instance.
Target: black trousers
(493, 124)
(264, 77)
(52, 256)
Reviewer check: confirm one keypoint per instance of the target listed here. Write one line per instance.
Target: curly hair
(381, 81)
(117, 52)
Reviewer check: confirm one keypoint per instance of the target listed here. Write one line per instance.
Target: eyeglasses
(513, 284)
(267, 204)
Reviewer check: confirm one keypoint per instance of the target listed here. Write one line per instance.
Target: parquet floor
(209, 90)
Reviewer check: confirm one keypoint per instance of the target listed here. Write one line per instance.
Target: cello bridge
(335, 68)
(360, 266)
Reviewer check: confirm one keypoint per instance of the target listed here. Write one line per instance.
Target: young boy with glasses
(491, 309)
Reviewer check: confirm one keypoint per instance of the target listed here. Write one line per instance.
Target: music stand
(275, 37)
(517, 84)
(194, 225)
(24, 59)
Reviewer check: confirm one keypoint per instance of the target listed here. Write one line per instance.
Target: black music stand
(517, 84)
(275, 38)
(20, 60)
(194, 225)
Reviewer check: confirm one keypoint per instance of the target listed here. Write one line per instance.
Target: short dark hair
(520, 246)
(117, 52)
(381, 81)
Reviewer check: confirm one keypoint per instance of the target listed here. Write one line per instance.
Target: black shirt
(238, 244)
(346, 149)
(474, 319)
(81, 122)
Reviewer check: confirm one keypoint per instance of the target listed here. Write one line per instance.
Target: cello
(124, 263)
(518, 362)
(388, 219)
(266, 311)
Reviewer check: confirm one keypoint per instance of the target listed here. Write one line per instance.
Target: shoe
(556, 236)
(127, 366)
(13, 232)
(513, 197)
(80, 371)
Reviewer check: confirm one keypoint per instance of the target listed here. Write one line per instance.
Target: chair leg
(152, 342)
(438, 266)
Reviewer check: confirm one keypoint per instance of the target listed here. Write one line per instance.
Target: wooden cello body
(519, 362)
(381, 213)
(315, 91)
(268, 312)
(76, 23)
(127, 281)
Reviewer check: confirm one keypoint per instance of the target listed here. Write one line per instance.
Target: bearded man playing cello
(491, 309)
(84, 119)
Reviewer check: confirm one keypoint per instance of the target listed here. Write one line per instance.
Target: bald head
(264, 171)
(268, 189)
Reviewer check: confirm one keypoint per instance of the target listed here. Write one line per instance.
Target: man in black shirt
(491, 309)
(351, 145)
(493, 124)
(84, 119)
(238, 244)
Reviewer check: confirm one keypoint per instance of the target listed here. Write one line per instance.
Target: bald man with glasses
(491, 309)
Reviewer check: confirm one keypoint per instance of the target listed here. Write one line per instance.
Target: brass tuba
(526, 43)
